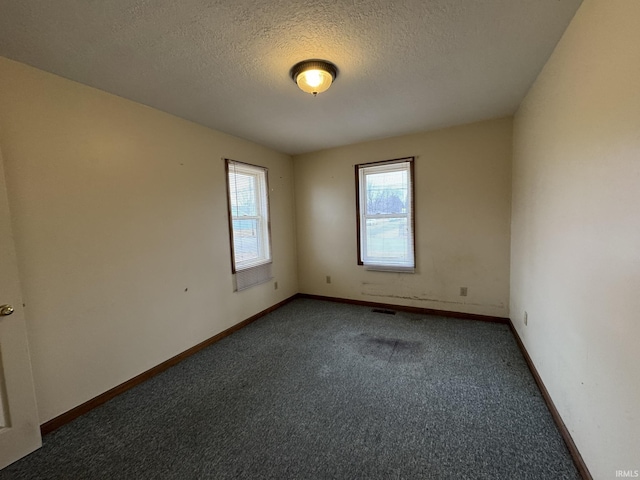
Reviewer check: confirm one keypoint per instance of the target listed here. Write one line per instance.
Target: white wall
(462, 195)
(576, 231)
(121, 232)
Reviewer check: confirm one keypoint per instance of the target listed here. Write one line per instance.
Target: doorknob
(5, 310)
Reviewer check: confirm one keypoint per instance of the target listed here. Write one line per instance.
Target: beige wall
(121, 232)
(576, 231)
(462, 194)
(118, 209)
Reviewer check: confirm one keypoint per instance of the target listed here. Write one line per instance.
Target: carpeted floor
(318, 390)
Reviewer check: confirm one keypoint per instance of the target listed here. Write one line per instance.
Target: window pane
(248, 198)
(242, 190)
(387, 192)
(385, 196)
(246, 240)
(387, 238)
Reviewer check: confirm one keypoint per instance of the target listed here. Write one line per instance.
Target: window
(247, 189)
(385, 215)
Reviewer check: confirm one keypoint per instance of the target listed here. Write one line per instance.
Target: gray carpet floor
(319, 390)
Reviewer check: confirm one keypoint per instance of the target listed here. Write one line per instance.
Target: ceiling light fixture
(314, 76)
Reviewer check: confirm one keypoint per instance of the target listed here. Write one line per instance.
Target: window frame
(263, 207)
(361, 217)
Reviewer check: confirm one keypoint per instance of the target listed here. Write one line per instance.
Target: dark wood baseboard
(74, 413)
(404, 308)
(564, 431)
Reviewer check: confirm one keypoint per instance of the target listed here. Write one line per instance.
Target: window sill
(389, 268)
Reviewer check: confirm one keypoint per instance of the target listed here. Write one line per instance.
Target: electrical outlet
(463, 291)
(526, 318)
(275, 285)
(328, 279)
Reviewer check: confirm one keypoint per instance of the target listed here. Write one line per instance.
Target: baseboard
(564, 431)
(404, 308)
(74, 413)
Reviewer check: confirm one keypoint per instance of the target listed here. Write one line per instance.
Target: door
(19, 426)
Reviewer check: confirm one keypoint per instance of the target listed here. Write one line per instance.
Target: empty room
(297, 240)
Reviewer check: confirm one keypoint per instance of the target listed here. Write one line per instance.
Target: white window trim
(263, 218)
(379, 263)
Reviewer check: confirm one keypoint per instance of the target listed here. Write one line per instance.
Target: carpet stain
(389, 348)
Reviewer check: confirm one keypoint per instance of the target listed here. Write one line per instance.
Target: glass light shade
(314, 76)
(314, 81)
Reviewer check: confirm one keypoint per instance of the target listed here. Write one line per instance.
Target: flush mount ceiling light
(314, 76)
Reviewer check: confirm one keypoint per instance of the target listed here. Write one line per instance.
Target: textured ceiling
(405, 66)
